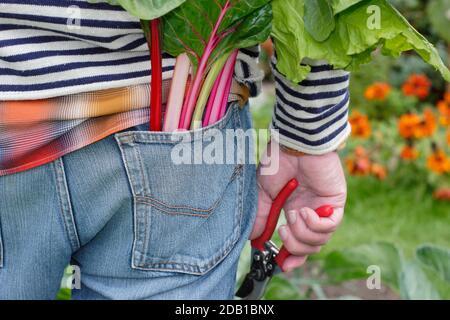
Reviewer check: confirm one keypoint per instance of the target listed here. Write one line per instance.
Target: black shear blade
(252, 289)
(247, 286)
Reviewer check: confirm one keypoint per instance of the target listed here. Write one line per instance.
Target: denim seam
(66, 205)
(123, 143)
(1, 245)
(240, 188)
(144, 178)
(172, 212)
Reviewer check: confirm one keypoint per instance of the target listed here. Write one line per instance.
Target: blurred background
(398, 169)
(397, 221)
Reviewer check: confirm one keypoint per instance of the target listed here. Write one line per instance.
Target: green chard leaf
(188, 28)
(319, 19)
(361, 27)
(341, 5)
(145, 9)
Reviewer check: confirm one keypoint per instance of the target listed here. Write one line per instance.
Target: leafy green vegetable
(361, 27)
(145, 9)
(437, 258)
(280, 288)
(319, 19)
(207, 30)
(341, 5)
(418, 282)
(425, 277)
(188, 28)
(352, 263)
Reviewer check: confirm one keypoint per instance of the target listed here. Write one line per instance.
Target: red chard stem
(156, 84)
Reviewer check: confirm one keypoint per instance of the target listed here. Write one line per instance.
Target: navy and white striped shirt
(312, 116)
(52, 48)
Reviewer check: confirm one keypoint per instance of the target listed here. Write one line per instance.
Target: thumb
(264, 205)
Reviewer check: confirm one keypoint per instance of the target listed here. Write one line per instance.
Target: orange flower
(358, 167)
(378, 171)
(438, 162)
(360, 125)
(407, 125)
(447, 97)
(442, 194)
(413, 126)
(377, 91)
(359, 164)
(448, 137)
(444, 110)
(427, 126)
(360, 152)
(417, 85)
(409, 153)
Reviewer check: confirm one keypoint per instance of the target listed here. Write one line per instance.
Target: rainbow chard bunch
(210, 32)
(204, 35)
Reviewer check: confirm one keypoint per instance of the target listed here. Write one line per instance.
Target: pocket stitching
(165, 207)
(201, 215)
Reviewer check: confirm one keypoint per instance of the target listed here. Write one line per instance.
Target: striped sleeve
(312, 116)
(247, 71)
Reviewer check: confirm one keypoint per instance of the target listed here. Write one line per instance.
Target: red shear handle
(323, 212)
(274, 215)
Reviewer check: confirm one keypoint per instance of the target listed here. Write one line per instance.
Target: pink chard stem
(223, 90)
(177, 93)
(191, 100)
(211, 100)
(228, 88)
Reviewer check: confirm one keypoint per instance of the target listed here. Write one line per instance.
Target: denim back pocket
(187, 211)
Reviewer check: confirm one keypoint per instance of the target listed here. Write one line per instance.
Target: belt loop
(240, 93)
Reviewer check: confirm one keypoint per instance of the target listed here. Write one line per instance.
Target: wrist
(297, 153)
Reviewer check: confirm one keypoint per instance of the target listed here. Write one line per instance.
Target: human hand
(322, 182)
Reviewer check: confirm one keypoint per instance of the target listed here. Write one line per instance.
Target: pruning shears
(267, 258)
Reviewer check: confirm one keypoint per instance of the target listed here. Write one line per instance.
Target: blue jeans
(138, 225)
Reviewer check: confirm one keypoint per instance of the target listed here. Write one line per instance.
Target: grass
(378, 211)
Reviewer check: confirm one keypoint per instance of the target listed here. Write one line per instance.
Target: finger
(264, 204)
(301, 231)
(293, 262)
(295, 247)
(321, 225)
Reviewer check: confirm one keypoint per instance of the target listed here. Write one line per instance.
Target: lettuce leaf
(145, 9)
(352, 41)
